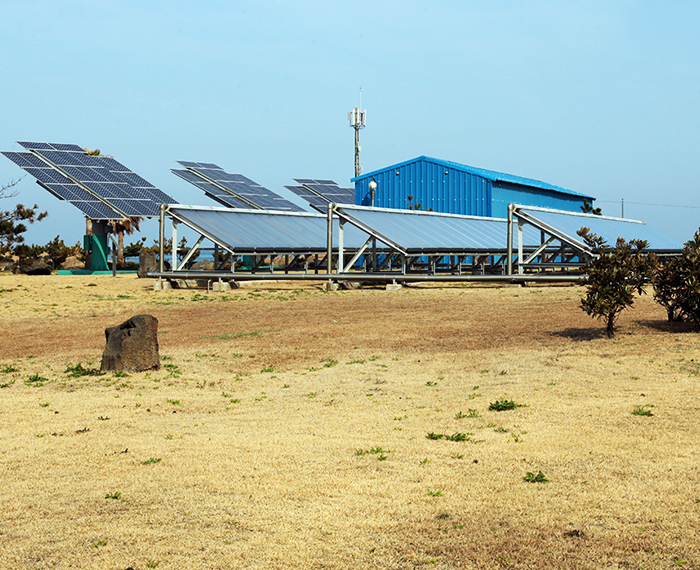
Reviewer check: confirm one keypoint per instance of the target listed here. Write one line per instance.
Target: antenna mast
(357, 120)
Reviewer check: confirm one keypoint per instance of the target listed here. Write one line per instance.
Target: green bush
(613, 277)
(677, 284)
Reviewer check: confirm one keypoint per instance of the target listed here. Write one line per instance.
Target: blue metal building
(455, 188)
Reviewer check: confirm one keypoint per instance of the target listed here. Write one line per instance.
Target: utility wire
(645, 204)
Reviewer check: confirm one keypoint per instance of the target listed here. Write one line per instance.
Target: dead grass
(260, 469)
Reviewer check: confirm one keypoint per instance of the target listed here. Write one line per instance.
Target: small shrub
(643, 410)
(151, 461)
(613, 276)
(504, 405)
(539, 478)
(78, 370)
(7, 369)
(459, 436)
(36, 380)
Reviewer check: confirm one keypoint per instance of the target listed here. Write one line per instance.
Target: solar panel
(89, 205)
(329, 190)
(62, 187)
(50, 146)
(260, 232)
(100, 176)
(214, 192)
(242, 188)
(318, 202)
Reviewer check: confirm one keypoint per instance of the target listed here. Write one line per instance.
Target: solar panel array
(329, 189)
(222, 186)
(99, 186)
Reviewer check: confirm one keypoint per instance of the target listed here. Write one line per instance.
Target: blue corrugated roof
(488, 174)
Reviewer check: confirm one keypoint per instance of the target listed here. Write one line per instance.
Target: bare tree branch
(4, 189)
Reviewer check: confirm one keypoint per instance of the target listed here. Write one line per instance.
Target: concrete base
(393, 286)
(162, 285)
(331, 286)
(210, 284)
(91, 272)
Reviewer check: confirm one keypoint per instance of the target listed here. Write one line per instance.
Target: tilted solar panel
(214, 192)
(49, 146)
(329, 189)
(312, 198)
(62, 187)
(241, 187)
(102, 176)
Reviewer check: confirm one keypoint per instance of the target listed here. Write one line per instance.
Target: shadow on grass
(668, 326)
(581, 334)
(593, 333)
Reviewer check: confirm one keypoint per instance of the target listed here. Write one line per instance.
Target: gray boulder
(148, 262)
(132, 346)
(203, 265)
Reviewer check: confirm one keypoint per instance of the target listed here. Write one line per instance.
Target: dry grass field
(294, 428)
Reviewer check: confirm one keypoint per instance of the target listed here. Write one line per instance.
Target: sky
(599, 96)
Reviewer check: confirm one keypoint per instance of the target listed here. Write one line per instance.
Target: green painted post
(100, 250)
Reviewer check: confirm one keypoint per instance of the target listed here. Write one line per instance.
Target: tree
(689, 268)
(669, 287)
(11, 221)
(587, 208)
(614, 276)
(677, 284)
(120, 227)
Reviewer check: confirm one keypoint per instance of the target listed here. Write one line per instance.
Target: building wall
(453, 191)
(503, 194)
(432, 185)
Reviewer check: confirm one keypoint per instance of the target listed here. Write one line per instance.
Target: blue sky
(596, 96)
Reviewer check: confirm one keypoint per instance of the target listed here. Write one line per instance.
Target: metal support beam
(190, 253)
(539, 250)
(161, 246)
(520, 246)
(329, 237)
(174, 244)
(357, 256)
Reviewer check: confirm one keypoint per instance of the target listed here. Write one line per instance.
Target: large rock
(72, 262)
(39, 266)
(203, 265)
(132, 346)
(148, 263)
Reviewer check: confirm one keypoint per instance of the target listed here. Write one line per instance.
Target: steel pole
(510, 239)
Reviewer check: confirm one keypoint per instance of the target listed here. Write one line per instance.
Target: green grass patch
(539, 478)
(643, 410)
(504, 405)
